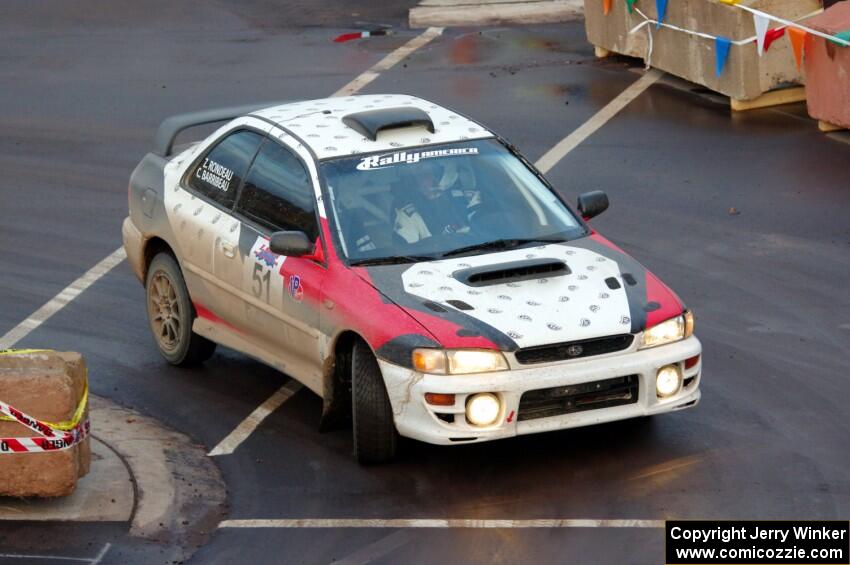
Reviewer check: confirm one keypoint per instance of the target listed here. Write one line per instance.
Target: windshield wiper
(398, 259)
(500, 244)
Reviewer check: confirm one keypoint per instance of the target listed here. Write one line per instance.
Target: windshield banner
(409, 157)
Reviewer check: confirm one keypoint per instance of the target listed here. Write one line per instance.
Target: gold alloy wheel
(164, 311)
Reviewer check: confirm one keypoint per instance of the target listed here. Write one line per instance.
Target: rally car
(407, 265)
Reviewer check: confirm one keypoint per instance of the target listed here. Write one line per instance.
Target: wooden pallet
(827, 127)
(770, 99)
(601, 52)
(767, 100)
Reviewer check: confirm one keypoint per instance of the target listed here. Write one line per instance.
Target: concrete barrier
(827, 67)
(448, 13)
(746, 75)
(48, 386)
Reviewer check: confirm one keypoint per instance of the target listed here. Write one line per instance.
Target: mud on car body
(407, 265)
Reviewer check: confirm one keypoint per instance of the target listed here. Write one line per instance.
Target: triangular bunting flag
(761, 22)
(843, 36)
(606, 6)
(721, 52)
(631, 5)
(661, 8)
(772, 35)
(798, 40)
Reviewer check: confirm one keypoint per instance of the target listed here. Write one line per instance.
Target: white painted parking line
(62, 299)
(437, 523)
(559, 151)
(92, 560)
(249, 424)
(389, 61)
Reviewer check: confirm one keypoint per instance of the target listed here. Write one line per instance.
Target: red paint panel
(595, 236)
(656, 291)
(442, 330)
(357, 305)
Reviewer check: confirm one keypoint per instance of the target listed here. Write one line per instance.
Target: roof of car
(319, 124)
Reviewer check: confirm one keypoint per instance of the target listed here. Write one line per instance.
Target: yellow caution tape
(67, 425)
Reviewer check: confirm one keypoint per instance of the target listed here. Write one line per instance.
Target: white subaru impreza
(407, 265)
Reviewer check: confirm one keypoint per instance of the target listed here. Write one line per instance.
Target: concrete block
(492, 12)
(746, 76)
(46, 385)
(827, 67)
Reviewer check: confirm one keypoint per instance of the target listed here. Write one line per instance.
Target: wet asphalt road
(81, 92)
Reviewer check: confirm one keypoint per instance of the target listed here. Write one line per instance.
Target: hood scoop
(513, 271)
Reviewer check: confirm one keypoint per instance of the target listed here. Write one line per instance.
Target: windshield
(443, 200)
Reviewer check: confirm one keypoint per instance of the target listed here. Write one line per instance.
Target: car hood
(512, 299)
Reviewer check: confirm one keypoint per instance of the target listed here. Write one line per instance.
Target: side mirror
(591, 204)
(291, 244)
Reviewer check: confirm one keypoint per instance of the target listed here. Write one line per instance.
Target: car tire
(171, 314)
(375, 436)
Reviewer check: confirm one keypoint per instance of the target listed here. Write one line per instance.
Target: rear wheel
(375, 436)
(170, 313)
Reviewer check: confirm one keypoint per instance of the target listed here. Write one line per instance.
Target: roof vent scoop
(513, 271)
(372, 122)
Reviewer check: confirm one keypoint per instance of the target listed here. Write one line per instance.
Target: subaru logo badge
(575, 350)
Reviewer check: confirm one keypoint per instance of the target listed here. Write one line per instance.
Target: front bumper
(416, 419)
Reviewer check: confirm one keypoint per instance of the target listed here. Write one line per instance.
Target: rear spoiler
(171, 127)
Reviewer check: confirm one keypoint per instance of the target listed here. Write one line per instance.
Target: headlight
(672, 330)
(458, 361)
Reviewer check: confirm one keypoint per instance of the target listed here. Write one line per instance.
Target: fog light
(668, 382)
(483, 409)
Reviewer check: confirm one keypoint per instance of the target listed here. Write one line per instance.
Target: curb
(444, 13)
(143, 474)
(180, 494)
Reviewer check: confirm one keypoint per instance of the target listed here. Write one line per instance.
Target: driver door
(280, 294)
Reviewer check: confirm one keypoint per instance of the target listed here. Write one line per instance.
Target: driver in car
(437, 203)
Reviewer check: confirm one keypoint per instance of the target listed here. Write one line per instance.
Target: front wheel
(375, 436)
(170, 313)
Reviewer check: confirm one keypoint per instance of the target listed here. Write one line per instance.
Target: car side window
(278, 194)
(219, 174)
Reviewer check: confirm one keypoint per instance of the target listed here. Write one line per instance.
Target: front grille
(546, 402)
(573, 349)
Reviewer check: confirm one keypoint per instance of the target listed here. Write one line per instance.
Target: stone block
(48, 386)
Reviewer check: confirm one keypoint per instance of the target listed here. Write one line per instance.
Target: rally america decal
(411, 157)
(262, 255)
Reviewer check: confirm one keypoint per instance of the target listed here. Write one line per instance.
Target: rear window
(218, 175)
